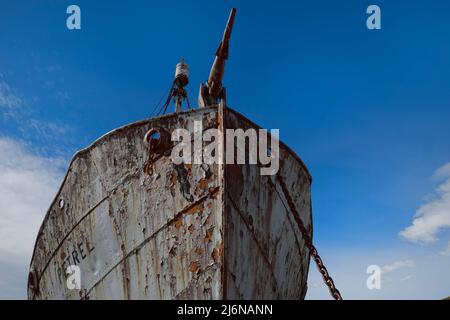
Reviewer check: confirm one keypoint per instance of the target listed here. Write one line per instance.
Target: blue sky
(368, 111)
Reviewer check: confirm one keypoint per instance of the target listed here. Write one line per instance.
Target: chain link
(312, 249)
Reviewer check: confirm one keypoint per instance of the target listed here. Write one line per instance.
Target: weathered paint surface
(177, 232)
(265, 255)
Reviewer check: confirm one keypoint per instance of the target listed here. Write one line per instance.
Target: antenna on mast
(177, 92)
(212, 92)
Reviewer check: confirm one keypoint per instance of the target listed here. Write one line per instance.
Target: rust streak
(178, 223)
(208, 268)
(195, 208)
(153, 235)
(247, 224)
(288, 216)
(122, 180)
(194, 266)
(203, 183)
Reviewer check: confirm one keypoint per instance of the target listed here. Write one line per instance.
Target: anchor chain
(312, 249)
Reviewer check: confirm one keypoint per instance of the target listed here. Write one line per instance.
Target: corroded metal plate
(179, 232)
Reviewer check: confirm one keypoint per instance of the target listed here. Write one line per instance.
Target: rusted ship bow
(139, 226)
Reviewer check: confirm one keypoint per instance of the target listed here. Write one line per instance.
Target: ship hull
(140, 229)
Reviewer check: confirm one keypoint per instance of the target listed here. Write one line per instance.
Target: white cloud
(407, 277)
(443, 172)
(48, 132)
(348, 266)
(433, 216)
(28, 183)
(397, 265)
(8, 100)
(54, 134)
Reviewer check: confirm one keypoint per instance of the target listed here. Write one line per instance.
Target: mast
(213, 92)
(181, 80)
(177, 92)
